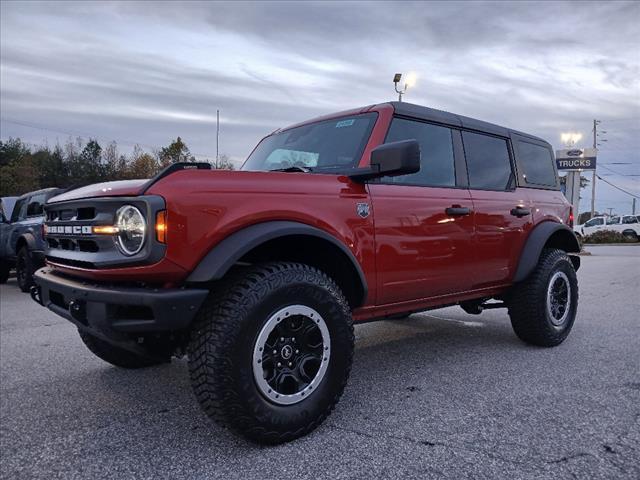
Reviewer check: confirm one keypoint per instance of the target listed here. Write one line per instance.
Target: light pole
(569, 139)
(596, 137)
(410, 81)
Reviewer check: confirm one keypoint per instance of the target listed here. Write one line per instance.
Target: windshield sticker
(345, 123)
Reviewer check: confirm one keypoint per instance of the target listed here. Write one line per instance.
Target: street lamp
(410, 81)
(570, 138)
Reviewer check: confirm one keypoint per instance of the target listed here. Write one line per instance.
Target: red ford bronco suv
(258, 275)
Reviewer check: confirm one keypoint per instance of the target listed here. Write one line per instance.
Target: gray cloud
(147, 72)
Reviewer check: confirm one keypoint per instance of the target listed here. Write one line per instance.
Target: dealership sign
(576, 159)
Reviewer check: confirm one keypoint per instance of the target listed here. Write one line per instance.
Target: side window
(537, 163)
(36, 205)
(437, 168)
(594, 221)
(19, 210)
(488, 161)
(629, 219)
(613, 220)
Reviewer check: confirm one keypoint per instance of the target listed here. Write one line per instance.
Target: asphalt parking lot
(441, 395)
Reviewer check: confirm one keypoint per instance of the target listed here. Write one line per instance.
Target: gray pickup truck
(21, 241)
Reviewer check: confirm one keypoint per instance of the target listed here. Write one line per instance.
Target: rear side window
(36, 205)
(488, 161)
(629, 219)
(19, 210)
(594, 222)
(613, 220)
(437, 168)
(537, 163)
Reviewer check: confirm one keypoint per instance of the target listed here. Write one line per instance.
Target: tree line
(24, 168)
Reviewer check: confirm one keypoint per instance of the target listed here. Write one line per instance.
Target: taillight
(571, 217)
(161, 226)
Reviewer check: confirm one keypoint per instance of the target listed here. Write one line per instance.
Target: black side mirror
(391, 159)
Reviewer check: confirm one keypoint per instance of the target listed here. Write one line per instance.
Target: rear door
(502, 212)
(423, 221)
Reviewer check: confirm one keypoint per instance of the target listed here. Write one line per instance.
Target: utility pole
(633, 206)
(217, 135)
(593, 179)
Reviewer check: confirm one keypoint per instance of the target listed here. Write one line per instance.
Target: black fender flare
(30, 241)
(536, 241)
(225, 254)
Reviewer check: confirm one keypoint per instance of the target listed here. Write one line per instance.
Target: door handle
(520, 212)
(457, 211)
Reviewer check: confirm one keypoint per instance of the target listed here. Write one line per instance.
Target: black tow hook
(36, 294)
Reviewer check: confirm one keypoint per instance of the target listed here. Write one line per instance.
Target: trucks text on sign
(576, 159)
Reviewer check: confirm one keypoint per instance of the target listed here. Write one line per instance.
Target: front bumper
(115, 312)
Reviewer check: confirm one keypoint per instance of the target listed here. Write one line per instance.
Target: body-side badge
(362, 209)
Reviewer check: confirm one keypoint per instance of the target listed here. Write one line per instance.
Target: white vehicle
(628, 225)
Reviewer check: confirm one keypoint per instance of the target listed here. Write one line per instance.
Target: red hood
(107, 189)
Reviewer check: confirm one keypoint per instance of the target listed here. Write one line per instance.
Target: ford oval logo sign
(574, 153)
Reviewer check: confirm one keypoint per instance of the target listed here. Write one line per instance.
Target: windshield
(326, 146)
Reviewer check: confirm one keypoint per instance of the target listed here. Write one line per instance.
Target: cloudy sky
(147, 72)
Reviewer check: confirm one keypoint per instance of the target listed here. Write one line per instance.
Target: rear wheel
(24, 269)
(120, 357)
(271, 351)
(543, 307)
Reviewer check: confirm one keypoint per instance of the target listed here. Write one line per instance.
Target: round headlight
(132, 230)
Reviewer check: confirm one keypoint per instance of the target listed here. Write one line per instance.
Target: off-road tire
(225, 334)
(4, 271)
(528, 301)
(24, 269)
(117, 356)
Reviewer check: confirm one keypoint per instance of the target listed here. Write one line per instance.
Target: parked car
(6, 208)
(259, 274)
(22, 239)
(628, 225)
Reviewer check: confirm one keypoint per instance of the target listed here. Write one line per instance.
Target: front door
(423, 221)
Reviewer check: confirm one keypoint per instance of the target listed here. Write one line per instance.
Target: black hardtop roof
(50, 190)
(440, 116)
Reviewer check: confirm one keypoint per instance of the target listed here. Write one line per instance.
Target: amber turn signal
(105, 230)
(161, 226)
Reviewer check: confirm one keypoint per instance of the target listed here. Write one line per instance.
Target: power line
(617, 187)
(618, 173)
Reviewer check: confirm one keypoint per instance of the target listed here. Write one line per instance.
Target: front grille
(71, 244)
(71, 241)
(70, 262)
(71, 214)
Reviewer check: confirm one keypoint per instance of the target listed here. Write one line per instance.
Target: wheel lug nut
(279, 364)
(290, 363)
(275, 351)
(282, 339)
(297, 351)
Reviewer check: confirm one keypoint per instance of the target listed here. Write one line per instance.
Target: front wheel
(24, 269)
(543, 307)
(271, 351)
